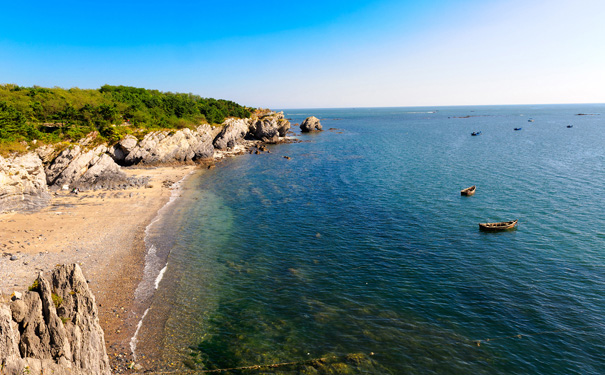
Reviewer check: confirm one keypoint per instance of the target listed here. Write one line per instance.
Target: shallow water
(361, 243)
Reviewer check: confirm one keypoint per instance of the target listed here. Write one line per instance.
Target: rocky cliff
(25, 180)
(22, 183)
(53, 328)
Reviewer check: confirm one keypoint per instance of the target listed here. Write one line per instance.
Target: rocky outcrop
(311, 124)
(233, 133)
(54, 327)
(22, 183)
(86, 169)
(25, 180)
(123, 148)
(269, 128)
(164, 147)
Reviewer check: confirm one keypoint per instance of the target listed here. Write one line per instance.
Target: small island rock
(311, 124)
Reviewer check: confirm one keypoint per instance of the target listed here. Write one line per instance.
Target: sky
(315, 54)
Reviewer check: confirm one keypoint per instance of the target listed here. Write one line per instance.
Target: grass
(57, 300)
(35, 286)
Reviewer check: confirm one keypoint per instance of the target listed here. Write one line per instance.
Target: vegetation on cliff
(55, 114)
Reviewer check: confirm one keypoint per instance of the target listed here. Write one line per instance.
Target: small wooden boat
(570, 126)
(530, 120)
(468, 191)
(476, 133)
(497, 227)
(518, 128)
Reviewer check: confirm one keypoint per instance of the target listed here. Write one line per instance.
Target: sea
(358, 254)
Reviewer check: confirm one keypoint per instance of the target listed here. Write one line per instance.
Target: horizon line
(438, 106)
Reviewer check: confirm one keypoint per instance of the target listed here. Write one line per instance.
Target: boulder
(77, 167)
(232, 134)
(311, 124)
(22, 183)
(54, 328)
(165, 147)
(123, 148)
(269, 128)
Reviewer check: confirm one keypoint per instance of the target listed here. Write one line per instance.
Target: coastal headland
(90, 204)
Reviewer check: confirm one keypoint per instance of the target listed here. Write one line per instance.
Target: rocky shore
(89, 203)
(53, 328)
(27, 180)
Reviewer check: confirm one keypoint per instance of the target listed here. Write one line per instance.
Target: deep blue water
(361, 243)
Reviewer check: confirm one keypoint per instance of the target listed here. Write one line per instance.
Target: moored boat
(518, 128)
(468, 191)
(570, 126)
(498, 227)
(476, 133)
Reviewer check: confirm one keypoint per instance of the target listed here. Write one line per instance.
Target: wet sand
(103, 231)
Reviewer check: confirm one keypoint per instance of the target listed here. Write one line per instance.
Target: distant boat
(570, 126)
(530, 120)
(476, 133)
(497, 227)
(518, 128)
(468, 191)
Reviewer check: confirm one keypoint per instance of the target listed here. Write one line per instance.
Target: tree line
(55, 114)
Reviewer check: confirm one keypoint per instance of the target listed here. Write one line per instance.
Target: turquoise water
(361, 243)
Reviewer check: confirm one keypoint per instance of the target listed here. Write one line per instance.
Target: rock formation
(53, 328)
(310, 124)
(269, 127)
(164, 147)
(25, 180)
(232, 134)
(22, 183)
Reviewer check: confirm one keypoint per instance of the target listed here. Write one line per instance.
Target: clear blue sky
(283, 54)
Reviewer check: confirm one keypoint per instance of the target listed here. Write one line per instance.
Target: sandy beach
(100, 230)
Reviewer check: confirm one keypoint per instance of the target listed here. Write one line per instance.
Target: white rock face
(233, 133)
(165, 147)
(22, 183)
(54, 328)
(78, 167)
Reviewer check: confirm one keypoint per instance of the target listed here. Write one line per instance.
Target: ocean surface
(360, 250)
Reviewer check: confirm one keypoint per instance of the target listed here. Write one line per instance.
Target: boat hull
(468, 191)
(498, 227)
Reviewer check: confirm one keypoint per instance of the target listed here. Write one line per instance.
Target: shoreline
(145, 291)
(104, 232)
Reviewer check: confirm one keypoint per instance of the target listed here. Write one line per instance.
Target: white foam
(134, 340)
(154, 269)
(160, 276)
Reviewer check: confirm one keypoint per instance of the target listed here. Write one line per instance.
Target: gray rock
(14, 257)
(165, 147)
(22, 183)
(18, 310)
(310, 124)
(123, 148)
(269, 129)
(85, 169)
(54, 328)
(232, 134)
